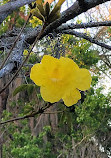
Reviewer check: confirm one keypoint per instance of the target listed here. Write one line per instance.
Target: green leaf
(28, 87)
(20, 89)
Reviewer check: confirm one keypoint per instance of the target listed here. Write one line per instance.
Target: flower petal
(49, 60)
(69, 70)
(38, 75)
(68, 63)
(71, 97)
(50, 94)
(50, 64)
(84, 79)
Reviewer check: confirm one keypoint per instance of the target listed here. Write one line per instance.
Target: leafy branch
(40, 111)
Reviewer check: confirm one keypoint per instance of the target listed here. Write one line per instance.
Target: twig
(59, 155)
(15, 42)
(103, 72)
(81, 141)
(40, 111)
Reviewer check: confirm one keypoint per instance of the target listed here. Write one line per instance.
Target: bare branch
(4, 15)
(84, 25)
(85, 36)
(72, 12)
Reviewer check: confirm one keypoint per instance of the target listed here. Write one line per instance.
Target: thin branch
(84, 25)
(15, 42)
(59, 155)
(106, 61)
(37, 38)
(85, 36)
(40, 111)
(82, 140)
(103, 72)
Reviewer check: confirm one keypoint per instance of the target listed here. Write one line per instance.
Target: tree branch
(85, 36)
(4, 15)
(40, 111)
(11, 6)
(15, 58)
(72, 12)
(26, 38)
(7, 69)
(83, 25)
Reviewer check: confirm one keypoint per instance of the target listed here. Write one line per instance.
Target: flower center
(55, 76)
(55, 79)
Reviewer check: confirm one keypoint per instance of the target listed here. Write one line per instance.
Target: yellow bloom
(60, 79)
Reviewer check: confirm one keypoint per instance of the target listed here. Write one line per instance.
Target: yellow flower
(60, 79)
(25, 53)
